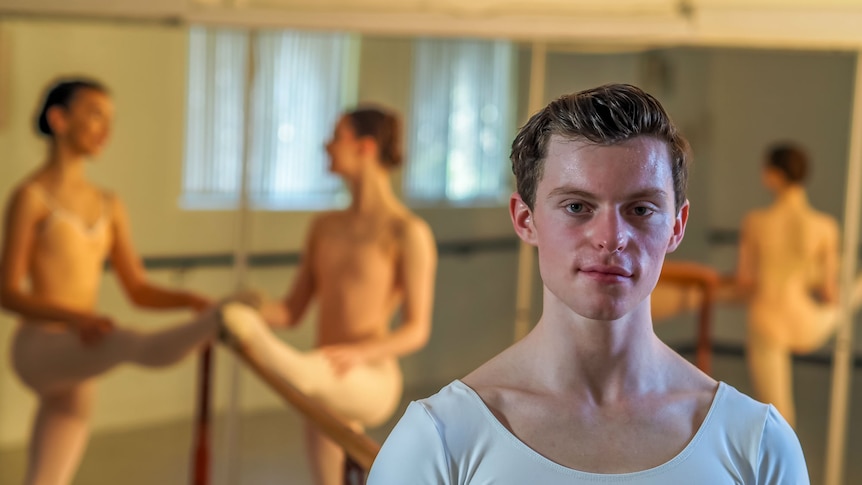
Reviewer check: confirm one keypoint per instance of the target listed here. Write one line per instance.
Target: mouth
(608, 273)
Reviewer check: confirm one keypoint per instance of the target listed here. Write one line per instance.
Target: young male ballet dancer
(591, 395)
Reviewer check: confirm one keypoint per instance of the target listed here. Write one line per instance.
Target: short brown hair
(384, 127)
(605, 115)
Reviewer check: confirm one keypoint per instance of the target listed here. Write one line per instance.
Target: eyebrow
(648, 193)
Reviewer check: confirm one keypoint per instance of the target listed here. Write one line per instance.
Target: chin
(603, 314)
(92, 154)
(599, 307)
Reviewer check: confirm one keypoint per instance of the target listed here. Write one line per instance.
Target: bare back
(792, 246)
(355, 263)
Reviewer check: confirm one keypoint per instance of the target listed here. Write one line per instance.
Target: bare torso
(355, 268)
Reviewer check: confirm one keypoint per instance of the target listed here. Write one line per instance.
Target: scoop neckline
(674, 461)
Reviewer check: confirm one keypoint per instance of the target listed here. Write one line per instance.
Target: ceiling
(804, 24)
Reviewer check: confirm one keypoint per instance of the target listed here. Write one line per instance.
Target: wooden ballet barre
(201, 447)
(689, 274)
(707, 280)
(291, 258)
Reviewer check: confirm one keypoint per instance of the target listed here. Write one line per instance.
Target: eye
(643, 211)
(575, 207)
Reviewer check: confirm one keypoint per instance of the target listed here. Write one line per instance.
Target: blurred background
(202, 85)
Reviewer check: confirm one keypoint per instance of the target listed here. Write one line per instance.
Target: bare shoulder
(324, 221)
(753, 219)
(413, 229)
(28, 196)
(108, 195)
(112, 200)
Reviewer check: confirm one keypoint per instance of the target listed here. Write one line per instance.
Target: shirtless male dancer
(591, 395)
(59, 230)
(361, 264)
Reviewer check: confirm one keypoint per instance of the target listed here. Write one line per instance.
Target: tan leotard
(68, 249)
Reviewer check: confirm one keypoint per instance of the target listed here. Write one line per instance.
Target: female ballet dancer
(59, 230)
(360, 263)
(788, 265)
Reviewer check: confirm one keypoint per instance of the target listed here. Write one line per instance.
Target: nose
(608, 232)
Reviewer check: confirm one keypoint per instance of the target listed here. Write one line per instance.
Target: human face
(343, 149)
(85, 125)
(603, 221)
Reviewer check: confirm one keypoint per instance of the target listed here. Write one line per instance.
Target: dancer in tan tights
(361, 264)
(788, 264)
(59, 230)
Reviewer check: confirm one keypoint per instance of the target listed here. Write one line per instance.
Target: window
(301, 84)
(461, 121)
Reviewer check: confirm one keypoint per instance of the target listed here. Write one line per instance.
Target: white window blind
(302, 82)
(461, 121)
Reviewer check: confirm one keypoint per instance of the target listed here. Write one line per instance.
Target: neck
(604, 360)
(65, 165)
(791, 193)
(371, 190)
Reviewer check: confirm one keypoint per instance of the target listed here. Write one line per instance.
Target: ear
(522, 219)
(678, 228)
(368, 147)
(56, 116)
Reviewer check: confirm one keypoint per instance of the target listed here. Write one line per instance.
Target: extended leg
(367, 394)
(58, 360)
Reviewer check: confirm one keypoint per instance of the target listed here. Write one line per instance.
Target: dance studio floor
(270, 448)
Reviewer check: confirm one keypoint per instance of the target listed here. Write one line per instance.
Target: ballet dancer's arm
(417, 271)
(130, 271)
(288, 311)
(746, 264)
(23, 214)
(829, 285)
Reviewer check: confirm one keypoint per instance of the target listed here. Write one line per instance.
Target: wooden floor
(270, 450)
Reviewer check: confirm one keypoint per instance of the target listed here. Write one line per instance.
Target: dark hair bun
(61, 94)
(384, 127)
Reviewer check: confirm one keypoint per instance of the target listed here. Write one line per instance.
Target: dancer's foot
(236, 323)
